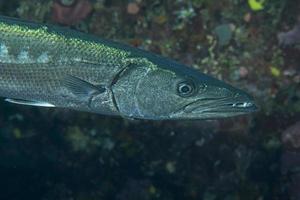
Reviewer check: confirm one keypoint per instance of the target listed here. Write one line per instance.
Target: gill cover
(150, 92)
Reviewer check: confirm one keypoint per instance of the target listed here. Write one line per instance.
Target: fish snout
(240, 103)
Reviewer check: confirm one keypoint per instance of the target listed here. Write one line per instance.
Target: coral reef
(70, 12)
(61, 154)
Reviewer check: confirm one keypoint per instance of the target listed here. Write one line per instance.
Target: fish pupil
(185, 89)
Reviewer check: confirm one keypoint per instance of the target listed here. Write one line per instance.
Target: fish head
(180, 92)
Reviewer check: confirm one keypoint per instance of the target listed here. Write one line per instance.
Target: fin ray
(29, 103)
(81, 87)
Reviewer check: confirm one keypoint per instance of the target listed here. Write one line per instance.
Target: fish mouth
(221, 107)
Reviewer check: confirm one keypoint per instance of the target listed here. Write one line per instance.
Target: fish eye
(185, 88)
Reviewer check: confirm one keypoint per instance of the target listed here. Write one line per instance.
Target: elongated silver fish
(45, 65)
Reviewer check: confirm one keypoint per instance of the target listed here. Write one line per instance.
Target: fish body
(46, 65)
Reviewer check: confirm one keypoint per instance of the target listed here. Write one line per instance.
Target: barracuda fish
(50, 66)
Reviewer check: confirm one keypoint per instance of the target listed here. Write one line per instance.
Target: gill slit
(113, 82)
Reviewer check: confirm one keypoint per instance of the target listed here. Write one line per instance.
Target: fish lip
(237, 104)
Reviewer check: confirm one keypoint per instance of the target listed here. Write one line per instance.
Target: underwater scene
(150, 100)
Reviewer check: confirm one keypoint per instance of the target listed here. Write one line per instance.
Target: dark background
(64, 155)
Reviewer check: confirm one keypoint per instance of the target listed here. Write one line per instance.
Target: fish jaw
(210, 108)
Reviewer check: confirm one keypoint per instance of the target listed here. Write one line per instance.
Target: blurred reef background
(254, 44)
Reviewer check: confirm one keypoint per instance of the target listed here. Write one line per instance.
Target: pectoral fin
(81, 87)
(30, 103)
